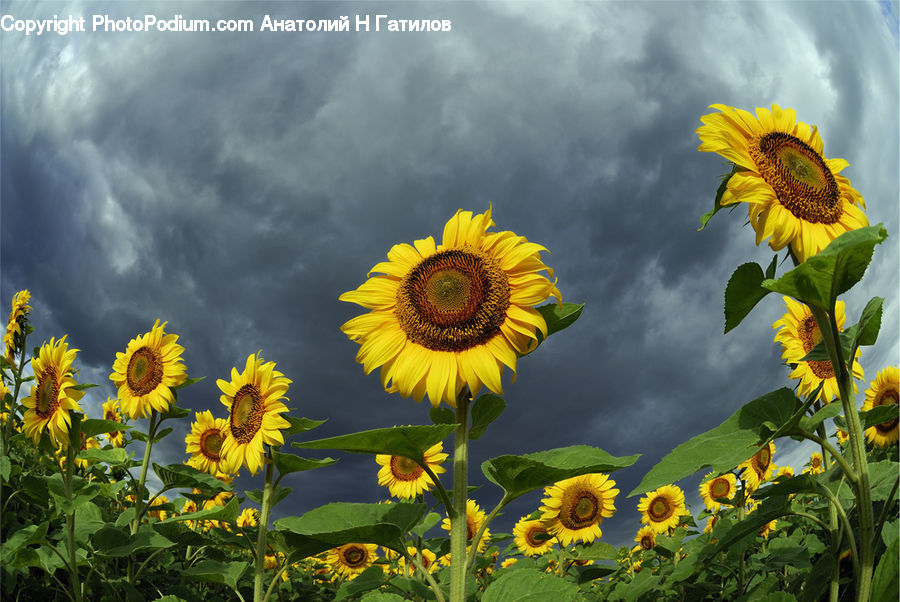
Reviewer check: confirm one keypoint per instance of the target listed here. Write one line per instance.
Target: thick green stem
(258, 592)
(139, 493)
(11, 418)
(71, 451)
(827, 450)
(458, 528)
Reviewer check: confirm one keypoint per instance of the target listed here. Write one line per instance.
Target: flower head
(759, 467)
(532, 538)
(404, 478)
(816, 464)
(53, 395)
(12, 338)
(646, 538)
(722, 486)
(451, 315)
(111, 413)
(573, 508)
(474, 520)
(204, 442)
(662, 509)
(351, 559)
(883, 391)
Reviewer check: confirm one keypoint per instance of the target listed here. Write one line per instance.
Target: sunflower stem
(139, 493)
(458, 522)
(71, 451)
(484, 525)
(828, 450)
(258, 592)
(11, 417)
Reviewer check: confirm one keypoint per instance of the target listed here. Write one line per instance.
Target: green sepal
(175, 411)
(187, 382)
(717, 204)
(485, 410)
(408, 441)
(743, 292)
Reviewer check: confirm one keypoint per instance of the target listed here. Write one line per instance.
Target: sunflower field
(444, 320)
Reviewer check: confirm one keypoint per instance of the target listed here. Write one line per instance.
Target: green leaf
(175, 411)
(743, 293)
(770, 271)
(114, 457)
(288, 463)
(115, 542)
(784, 552)
(187, 382)
(882, 478)
(769, 510)
(213, 571)
(598, 550)
(821, 278)
(84, 386)
(810, 423)
(878, 415)
(161, 434)
(27, 536)
(885, 581)
(727, 445)
(717, 204)
(430, 520)
(300, 425)
(865, 332)
(369, 579)
(530, 585)
(5, 467)
(182, 476)
(558, 317)
(227, 513)
(382, 597)
(518, 475)
(339, 523)
(407, 441)
(93, 427)
(442, 416)
(485, 410)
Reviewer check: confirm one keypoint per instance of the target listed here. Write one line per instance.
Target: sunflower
(349, 560)
(723, 486)
(148, 370)
(645, 538)
(12, 338)
(474, 520)
(883, 391)
(508, 563)
(794, 194)
(204, 442)
(662, 509)
(450, 315)
(86, 443)
(711, 523)
(53, 395)
(759, 467)
(111, 412)
(784, 471)
(249, 517)
(404, 478)
(816, 464)
(798, 333)
(842, 436)
(253, 398)
(427, 558)
(220, 499)
(532, 537)
(574, 508)
(158, 514)
(767, 528)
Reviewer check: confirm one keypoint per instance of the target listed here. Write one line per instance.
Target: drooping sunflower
(767, 528)
(723, 486)
(798, 333)
(404, 478)
(204, 442)
(349, 560)
(111, 412)
(427, 559)
(759, 467)
(53, 395)
(816, 464)
(531, 537)
(253, 398)
(883, 391)
(474, 520)
(645, 538)
(445, 316)
(573, 508)
(17, 318)
(662, 509)
(711, 523)
(148, 370)
(795, 195)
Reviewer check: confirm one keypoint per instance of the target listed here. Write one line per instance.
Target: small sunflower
(816, 464)
(427, 558)
(253, 398)
(404, 478)
(574, 508)
(759, 467)
(842, 436)
(158, 514)
(784, 471)
(767, 528)
(53, 395)
(12, 338)
(111, 412)
(450, 315)
(711, 523)
(220, 499)
(148, 370)
(662, 509)
(798, 333)
(723, 486)
(532, 537)
(883, 391)
(508, 563)
(645, 538)
(86, 443)
(189, 507)
(474, 520)
(794, 194)
(249, 517)
(351, 559)
(204, 442)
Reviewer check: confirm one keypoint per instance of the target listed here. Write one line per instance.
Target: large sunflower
(574, 508)
(148, 370)
(662, 509)
(759, 467)
(17, 316)
(445, 316)
(253, 398)
(349, 560)
(531, 537)
(53, 395)
(794, 194)
(474, 520)
(723, 486)
(404, 478)
(111, 412)
(883, 391)
(798, 333)
(204, 442)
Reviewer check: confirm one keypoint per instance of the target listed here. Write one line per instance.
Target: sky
(235, 184)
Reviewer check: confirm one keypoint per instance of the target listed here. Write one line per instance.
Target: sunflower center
(405, 469)
(145, 371)
(720, 488)
(246, 413)
(453, 300)
(660, 509)
(580, 508)
(532, 533)
(889, 396)
(799, 176)
(355, 556)
(815, 462)
(647, 542)
(47, 398)
(211, 443)
(112, 416)
(809, 334)
(762, 460)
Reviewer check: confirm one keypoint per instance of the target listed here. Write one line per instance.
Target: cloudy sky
(235, 184)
